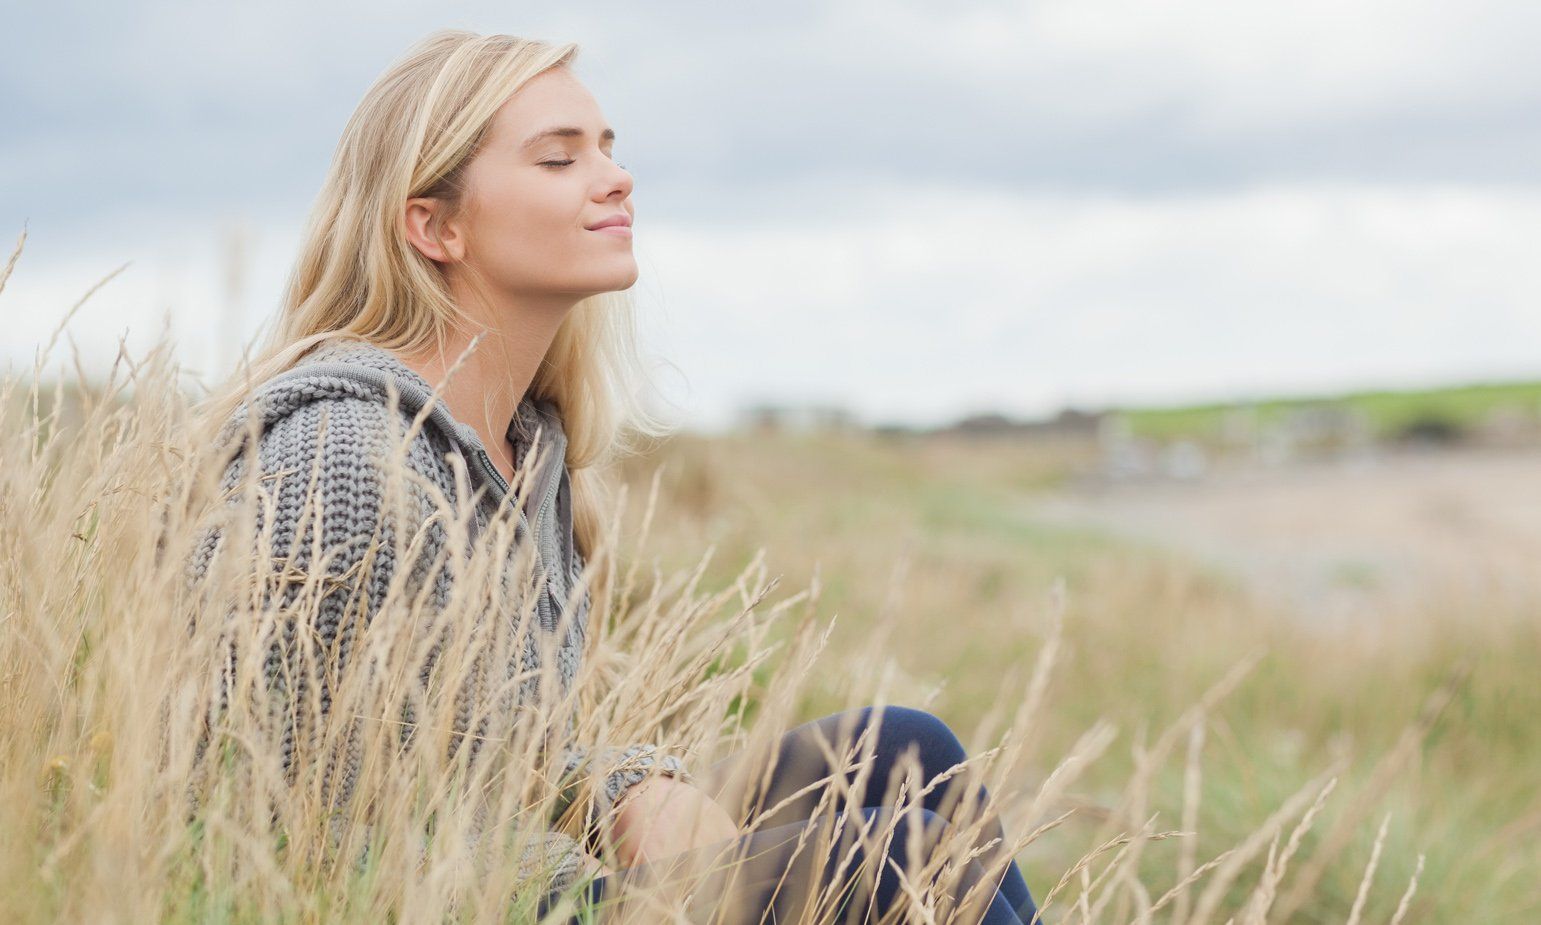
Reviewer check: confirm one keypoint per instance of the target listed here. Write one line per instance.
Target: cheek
(524, 220)
(513, 225)
(530, 234)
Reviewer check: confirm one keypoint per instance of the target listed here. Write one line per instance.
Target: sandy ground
(1337, 540)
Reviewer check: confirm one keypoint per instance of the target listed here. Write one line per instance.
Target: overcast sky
(914, 210)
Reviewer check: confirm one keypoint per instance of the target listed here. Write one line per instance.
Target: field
(1390, 611)
(1306, 695)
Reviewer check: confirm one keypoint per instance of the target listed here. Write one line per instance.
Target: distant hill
(1387, 414)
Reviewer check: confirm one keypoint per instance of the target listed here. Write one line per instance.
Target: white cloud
(921, 304)
(952, 303)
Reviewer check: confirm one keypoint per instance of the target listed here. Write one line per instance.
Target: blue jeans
(771, 875)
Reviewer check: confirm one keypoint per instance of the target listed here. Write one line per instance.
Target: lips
(620, 219)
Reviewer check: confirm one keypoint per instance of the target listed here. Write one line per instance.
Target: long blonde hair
(357, 276)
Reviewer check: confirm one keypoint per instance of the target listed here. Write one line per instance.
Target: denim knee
(911, 724)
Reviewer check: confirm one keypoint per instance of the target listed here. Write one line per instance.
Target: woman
(474, 223)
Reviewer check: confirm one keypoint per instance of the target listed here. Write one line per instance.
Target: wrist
(625, 796)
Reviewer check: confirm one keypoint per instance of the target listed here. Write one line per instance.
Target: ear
(423, 216)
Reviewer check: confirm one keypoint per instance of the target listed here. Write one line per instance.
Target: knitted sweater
(346, 381)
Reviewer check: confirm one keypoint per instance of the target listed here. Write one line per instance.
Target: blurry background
(1193, 237)
(1225, 312)
(913, 211)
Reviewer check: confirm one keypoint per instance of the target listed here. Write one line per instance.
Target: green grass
(1386, 412)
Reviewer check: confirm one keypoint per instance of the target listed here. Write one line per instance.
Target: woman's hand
(590, 866)
(663, 816)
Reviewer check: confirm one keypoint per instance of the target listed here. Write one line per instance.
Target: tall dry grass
(1425, 710)
(110, 668)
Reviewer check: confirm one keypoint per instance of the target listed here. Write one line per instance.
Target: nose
(619, 181)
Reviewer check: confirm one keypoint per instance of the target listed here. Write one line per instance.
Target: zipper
(543, 607)
(547, 594)
(491, 471)
(545, 503)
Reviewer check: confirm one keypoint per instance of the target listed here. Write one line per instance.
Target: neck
(492, 380)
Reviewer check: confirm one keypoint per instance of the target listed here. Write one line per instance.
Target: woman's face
(541, 182)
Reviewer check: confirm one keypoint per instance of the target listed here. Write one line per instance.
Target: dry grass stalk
(1406, 901)
(1386, 769)
(1369, 873)
(106, 666)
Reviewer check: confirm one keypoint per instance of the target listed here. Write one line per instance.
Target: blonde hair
(358, 277)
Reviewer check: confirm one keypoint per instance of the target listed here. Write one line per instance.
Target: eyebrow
(565, 131)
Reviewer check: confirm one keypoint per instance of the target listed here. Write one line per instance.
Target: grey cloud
(180, 106)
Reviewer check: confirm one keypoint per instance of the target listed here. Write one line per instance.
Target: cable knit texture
(346, 382)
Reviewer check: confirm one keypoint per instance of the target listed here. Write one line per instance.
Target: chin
(614, 277)
(622, 281)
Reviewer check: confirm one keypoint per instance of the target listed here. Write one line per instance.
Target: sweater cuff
(612, 770)
(552, 857)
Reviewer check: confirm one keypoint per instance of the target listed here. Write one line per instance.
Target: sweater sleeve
(608, 771)
(553, 858)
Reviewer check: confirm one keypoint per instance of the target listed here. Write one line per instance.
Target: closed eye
(560, 164)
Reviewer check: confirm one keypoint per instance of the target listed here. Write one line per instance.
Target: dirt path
(1338, 540)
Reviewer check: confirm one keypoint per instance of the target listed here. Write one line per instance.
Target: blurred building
(802, 419)
(1068, 423)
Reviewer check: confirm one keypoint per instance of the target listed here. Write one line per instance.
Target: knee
(903, 725)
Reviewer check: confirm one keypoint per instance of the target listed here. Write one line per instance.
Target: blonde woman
(475, 197)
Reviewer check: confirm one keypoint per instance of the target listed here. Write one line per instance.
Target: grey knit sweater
(346, 381)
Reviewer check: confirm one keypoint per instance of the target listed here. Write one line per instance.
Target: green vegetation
(1387, 413)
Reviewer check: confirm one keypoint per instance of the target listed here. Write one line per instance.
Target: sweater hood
(351, 370)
